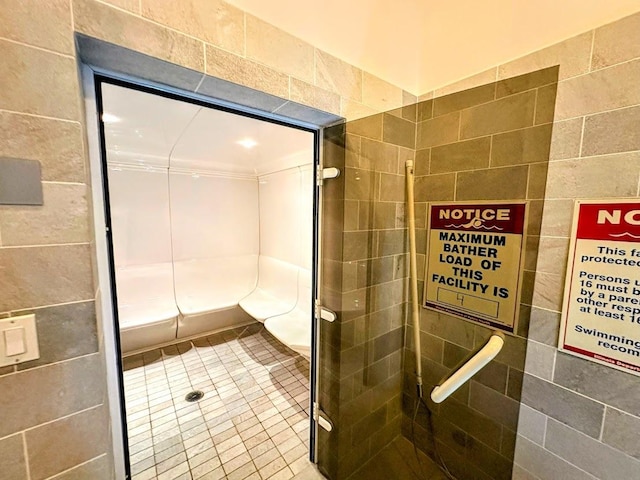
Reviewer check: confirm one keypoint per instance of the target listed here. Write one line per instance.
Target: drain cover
(194, 396)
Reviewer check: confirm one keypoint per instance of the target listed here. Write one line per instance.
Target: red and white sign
(601, 309)
(474, 255)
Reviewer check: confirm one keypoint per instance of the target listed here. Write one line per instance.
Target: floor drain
(194, 396)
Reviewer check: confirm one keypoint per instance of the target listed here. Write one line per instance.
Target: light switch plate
(28, 322)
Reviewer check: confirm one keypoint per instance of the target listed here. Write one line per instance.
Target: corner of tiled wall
(480, 143)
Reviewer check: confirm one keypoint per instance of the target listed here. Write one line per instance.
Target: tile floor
(253, 421)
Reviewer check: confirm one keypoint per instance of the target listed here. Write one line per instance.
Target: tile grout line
(58, 182)
(25, 452)
(72, 22)
(76, 466)
(44, 245)
(140, 16)
(204, 64)
(35, 47)
(64, 417)
(604, 417)
(50, 306)
(204, 75)
(595, 114)
(66, 360)
(588, 437)
(584, 121)
(593, 43)
(244, 34)
(46, 117)
(564, 460)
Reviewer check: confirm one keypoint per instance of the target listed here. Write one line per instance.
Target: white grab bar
(469, 369)
(413, 274)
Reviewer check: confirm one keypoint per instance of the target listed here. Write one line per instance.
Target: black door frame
(143, 86)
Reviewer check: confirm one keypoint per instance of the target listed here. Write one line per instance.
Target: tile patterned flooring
(252, 423)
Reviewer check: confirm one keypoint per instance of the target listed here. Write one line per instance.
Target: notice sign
(474, 258)
(601, 310)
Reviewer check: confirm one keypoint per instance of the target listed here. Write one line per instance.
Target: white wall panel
(215, 240)
(280, 216)
(213, 216)
(139, 201)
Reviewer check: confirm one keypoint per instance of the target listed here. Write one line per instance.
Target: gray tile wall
(579, 420)
(46, 253)
(490, 142)
(588, 414)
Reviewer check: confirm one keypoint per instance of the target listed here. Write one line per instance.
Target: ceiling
(421, 45)
(150, 130)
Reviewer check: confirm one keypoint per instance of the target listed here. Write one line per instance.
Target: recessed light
(247, 142)
(110, 118)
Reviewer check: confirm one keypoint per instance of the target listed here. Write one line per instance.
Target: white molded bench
(276, 292)
(147, 310)
(294, 328)
(208, 292)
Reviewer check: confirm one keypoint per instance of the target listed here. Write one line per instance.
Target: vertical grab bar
(476, 363)
(413, 274)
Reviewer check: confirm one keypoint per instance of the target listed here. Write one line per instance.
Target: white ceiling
(421, 45)
(150, 130)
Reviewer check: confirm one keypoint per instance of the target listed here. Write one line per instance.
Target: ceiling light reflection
(247, 142)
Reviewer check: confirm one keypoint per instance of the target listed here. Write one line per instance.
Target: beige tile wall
(571, 407)
(46, 252)
(221, 40)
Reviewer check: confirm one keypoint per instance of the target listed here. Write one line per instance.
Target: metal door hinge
(325, 313)
(327, 173)
(321, 418)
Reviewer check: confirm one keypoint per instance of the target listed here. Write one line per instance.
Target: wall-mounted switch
(14, 342)
(18, 340)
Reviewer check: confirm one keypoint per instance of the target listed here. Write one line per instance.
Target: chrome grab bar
(476, 363)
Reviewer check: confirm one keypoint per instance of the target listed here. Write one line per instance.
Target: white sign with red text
(601, 309)
(474, 257)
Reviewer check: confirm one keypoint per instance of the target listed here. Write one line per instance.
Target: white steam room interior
(211, 225)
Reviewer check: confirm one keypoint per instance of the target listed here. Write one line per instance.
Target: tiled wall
(53, 417)
(365, 280)
(225, 42)
(485, 143)
(579, 419)
(45, 252)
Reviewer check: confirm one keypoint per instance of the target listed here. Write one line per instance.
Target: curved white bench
(147, 310)
(276, 292)
(294, 328)
(208, 292)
